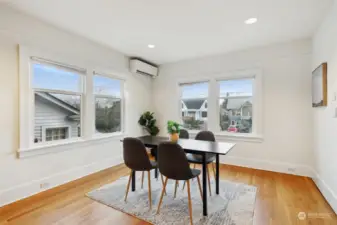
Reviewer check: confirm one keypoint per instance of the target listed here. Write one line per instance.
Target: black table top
(190, 145)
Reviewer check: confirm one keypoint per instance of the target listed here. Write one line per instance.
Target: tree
(224, 119)
(108, 116)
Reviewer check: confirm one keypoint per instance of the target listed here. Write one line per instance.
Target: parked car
(233, 128)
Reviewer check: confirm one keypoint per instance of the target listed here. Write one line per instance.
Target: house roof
(237, 103)
(193, 103)
(54, 100)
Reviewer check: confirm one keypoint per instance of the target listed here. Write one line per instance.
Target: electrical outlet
(44, 185)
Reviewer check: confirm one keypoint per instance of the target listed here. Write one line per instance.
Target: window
(236, 105)
(193, 97)
(53, 134)
(108, 104)
(57, 101)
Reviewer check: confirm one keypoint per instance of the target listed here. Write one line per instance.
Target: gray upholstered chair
(210, 158)
(169, 152)
(184, 134)
(136, 158)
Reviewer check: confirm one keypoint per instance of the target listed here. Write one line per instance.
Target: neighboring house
(236, 110)
(195, 108)
(239, 107)
(55, 119)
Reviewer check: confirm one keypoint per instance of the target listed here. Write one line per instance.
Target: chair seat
(195, 172)
(198, 159)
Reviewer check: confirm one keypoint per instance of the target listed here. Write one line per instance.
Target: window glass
(55, 78)
(53, 107)
(234, 88)
(107, 86)
(108, 105)
(194, 116)
(236, 106)
(53, 134)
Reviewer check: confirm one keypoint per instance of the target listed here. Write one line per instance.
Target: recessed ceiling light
(151, 46)
(251, 21)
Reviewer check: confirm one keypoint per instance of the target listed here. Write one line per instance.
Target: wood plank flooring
(280, 198)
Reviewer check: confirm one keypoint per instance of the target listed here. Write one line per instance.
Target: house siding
(50, 115)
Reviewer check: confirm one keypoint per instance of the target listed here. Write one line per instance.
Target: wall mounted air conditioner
(141, 67)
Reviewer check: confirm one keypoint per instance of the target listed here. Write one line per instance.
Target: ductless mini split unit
(144, 68)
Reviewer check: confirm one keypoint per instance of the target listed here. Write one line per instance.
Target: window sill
(66, 145)
(239, 137)
(226, 136)
(99, 136)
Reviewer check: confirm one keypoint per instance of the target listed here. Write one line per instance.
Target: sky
(48, 77)
(233, 87)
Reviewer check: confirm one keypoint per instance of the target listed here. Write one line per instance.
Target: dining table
(195, 147)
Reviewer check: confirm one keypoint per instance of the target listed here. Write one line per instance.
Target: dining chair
(184, 134)
(136, 159)
(169, 152)
(210, 158)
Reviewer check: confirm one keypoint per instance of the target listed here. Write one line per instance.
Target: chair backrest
(205, 136)
(184, 134)
(135, 155)
(172, 161)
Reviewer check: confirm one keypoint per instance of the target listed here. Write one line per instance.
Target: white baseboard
(28, 189)
(326, 191)
(288, 168)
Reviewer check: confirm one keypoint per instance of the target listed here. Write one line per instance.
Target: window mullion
(212, 106)
(89, 107)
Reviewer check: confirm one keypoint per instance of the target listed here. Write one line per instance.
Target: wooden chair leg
(175, 189)
(162, 181)
(128, 187)
(184, 185)
(149, 182)
(189, 201)
(214, 173)
(209, 182)
(142, 179)
(162, 195)
(200, 189)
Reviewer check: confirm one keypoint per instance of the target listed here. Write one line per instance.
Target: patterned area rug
(233, 206)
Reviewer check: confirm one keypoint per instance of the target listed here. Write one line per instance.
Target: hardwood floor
(280, 198)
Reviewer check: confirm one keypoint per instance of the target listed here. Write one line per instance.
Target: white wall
(286, 123)
(325, 125)
(22, 177)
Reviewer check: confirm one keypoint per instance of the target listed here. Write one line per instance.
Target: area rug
(233, 206)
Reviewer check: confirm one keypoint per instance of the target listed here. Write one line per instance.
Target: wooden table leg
(204, 184)
(217, 175)
(156, 158)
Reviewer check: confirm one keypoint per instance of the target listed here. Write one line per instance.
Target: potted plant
(173, 128)
(148, 122)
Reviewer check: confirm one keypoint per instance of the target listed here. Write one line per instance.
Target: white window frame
(27, 147)
(62, 66)
(213, 108)
(115, 77)
(180, 110)
(255, 75)
(244, 96)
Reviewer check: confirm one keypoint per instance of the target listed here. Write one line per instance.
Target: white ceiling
(180, 29)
